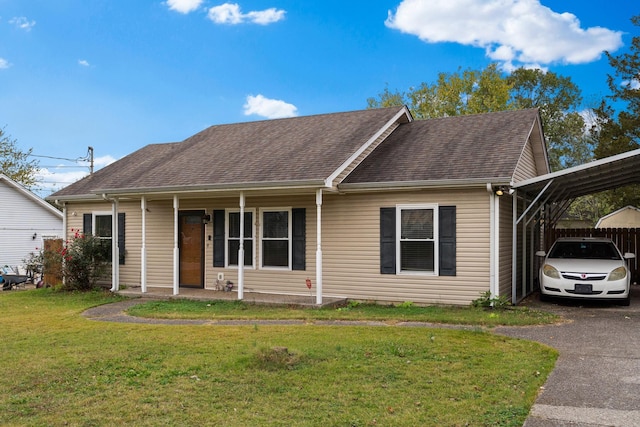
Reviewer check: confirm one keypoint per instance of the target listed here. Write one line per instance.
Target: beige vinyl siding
(351, 248)
(256, 279)
(526, 167)
(365, 153)
(130, 271)
(506, 242)
(350, 244)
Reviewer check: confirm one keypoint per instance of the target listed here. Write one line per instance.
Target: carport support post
(176, 250)
(241, 250)
(319, 247)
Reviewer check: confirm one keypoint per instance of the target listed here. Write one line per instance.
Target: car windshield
(584, 250)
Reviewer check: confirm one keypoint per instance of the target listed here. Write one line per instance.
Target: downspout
(176, 250)
(319, 247)
(493, 242)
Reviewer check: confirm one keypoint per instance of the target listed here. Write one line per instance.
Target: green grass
(63, 369)
(226, 310)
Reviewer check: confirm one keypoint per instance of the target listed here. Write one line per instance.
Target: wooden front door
(191, 244)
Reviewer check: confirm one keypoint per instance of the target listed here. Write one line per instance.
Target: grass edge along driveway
(63, 369)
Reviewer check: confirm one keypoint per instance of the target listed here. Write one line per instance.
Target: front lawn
(63, 369)
(407, 312)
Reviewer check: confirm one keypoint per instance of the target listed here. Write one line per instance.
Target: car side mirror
(629, 255)
(541, 253)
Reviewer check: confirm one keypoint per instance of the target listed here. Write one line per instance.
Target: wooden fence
(626, 239)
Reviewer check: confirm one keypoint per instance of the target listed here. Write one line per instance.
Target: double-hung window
(417, 232)
(276, 238)
(103, 230)
(233, 237)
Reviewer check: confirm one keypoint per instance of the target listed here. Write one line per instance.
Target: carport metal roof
(562, 187)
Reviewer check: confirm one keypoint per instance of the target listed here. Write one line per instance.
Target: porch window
(233, 238)
(276, 238)
(416, 246)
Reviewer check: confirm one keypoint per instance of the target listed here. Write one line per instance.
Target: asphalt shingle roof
(311, 148)
(462, 147)
(284, 150)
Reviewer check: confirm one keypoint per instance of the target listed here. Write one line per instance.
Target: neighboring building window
(276, 238)
(416, 246)
(233, 238)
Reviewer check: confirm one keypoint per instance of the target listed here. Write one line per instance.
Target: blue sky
(120, 74)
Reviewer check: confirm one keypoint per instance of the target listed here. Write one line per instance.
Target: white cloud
(269, 108)
(520, 31)
(4, 64)
(22, 23)
(84, 62)
(631, 84)
(230, 13)
(184, 6)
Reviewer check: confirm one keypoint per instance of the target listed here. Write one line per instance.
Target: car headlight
(618, 274)
(550, 271)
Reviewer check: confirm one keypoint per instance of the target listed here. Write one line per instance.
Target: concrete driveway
(596, 381)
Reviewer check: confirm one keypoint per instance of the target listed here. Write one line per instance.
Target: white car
(585, 268)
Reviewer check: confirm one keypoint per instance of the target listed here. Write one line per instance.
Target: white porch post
(176, 250)
(143, 250)
(241, 250)
(115, 250)
(319, 247)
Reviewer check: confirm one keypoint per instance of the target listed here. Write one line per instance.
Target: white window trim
(93, 222)
(436, 238)
(253, 238)
(289, 238)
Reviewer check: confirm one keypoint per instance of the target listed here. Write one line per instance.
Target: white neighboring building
(25, 221)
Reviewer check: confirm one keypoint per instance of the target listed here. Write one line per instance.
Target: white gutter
(428, 184)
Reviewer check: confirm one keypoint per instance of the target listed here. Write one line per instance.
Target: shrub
(85, 259)
(501, 302)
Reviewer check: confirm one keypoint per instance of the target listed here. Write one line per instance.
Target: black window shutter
(298, 223)
(218, 238)
(447, 244)
(121, 224)
(388, 240)
(87, 221)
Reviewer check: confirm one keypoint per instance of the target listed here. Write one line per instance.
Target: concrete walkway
(596, 381)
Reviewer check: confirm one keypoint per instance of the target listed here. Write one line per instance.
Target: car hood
(584, 265)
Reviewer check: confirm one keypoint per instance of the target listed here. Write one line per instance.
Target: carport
(540, 202)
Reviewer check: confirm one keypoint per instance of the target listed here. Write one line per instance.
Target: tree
(473, 92)
(14, 162)
(557, 97)
(617, 128)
